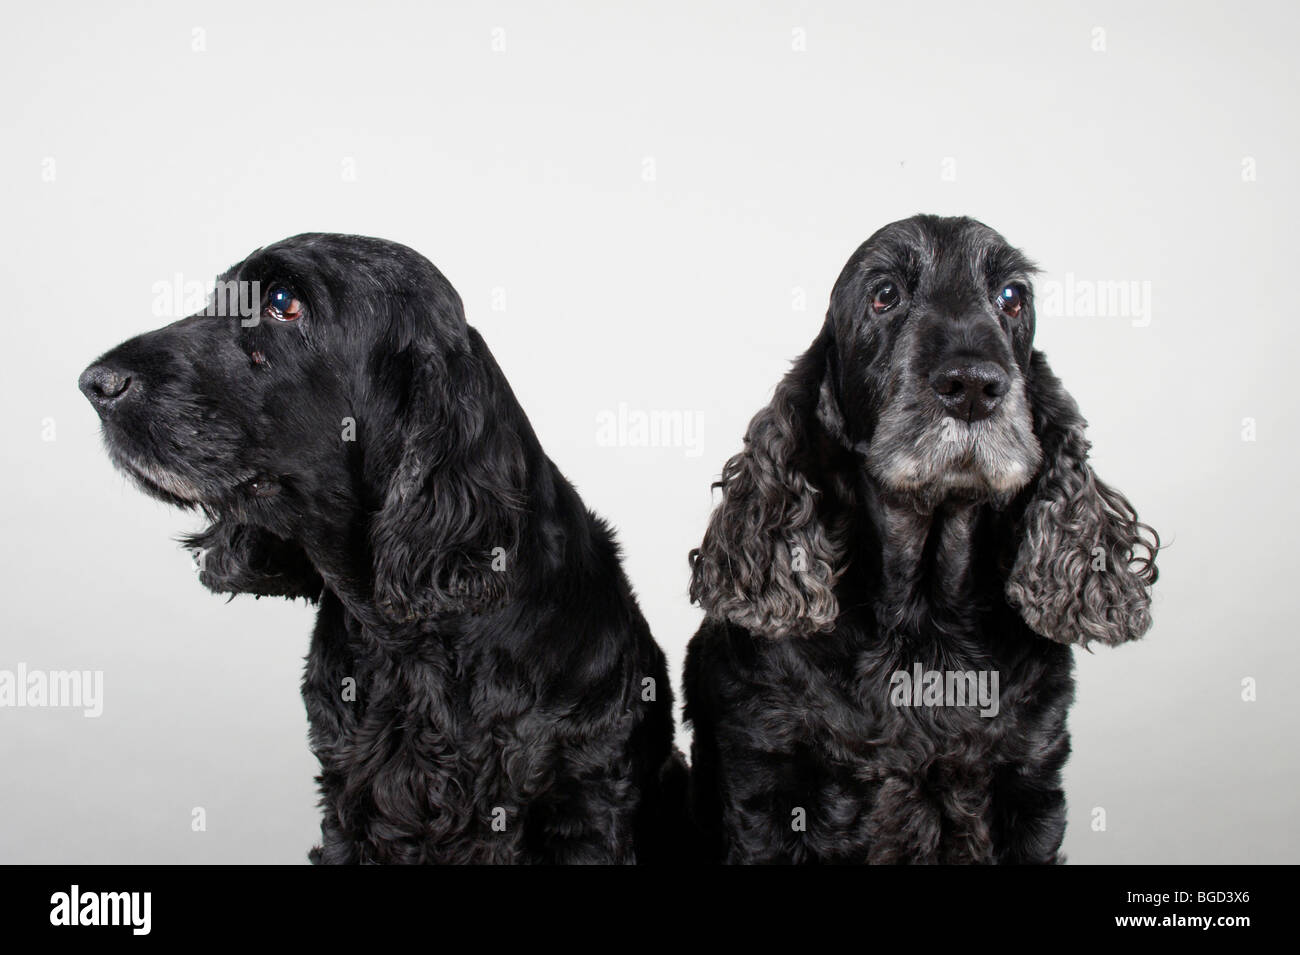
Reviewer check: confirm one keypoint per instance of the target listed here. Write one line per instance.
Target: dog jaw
(993, 458)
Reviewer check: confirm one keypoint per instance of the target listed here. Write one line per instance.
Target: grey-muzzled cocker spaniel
(903, 555)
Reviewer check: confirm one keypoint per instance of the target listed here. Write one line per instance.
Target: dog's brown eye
(1010, 300)
(886, 297)
(282, 306)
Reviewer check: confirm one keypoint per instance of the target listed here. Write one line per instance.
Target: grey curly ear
(235, 558)
(1085, 564)
(767, 563)
(445, 539)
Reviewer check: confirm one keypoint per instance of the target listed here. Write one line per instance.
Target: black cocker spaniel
(903, 553)
(481, 685)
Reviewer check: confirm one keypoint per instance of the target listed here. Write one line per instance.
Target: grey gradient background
(523, 171)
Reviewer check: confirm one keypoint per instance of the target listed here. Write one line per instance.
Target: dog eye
(1010, 300)
(886, 297)
(282, 306)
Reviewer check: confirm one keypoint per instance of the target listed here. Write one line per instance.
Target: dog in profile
(913, 521)
(481, 685)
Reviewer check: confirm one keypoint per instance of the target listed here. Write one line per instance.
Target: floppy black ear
(238, 559)
(1085, 563)
(445, 539)
(767, 563)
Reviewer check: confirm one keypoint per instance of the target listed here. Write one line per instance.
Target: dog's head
(925, 373)
(330, 403)
(933, 323)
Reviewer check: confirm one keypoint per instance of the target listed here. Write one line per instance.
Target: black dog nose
(970, 390)
(104, 386)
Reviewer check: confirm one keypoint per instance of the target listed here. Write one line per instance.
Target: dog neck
(925, 556)
(557, 544)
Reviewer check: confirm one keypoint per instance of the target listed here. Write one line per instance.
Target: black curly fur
(510, 704)
(851, 543)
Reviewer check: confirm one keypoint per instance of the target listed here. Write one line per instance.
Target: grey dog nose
(104, 386)
(970, 390)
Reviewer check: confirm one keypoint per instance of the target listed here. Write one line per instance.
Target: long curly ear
(1085, 563)
(445, 539)
(235, 558)
(767, 563)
